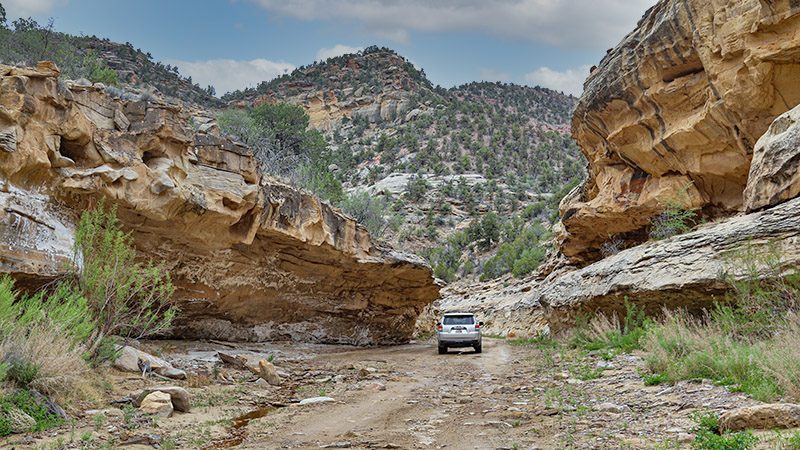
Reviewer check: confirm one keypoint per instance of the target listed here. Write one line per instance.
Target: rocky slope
(441, 158)
(25, 42)
(680, 102)
(252, 259)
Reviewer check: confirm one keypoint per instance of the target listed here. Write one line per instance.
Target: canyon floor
(409, 397)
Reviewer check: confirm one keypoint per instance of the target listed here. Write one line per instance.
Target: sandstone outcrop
(683, 271)
(771, 416)
(774, 176)
(679, 103)
(252, 258)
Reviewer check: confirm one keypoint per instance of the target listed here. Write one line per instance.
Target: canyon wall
(676, 107)
(251, 258)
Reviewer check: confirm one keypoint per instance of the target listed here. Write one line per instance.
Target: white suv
(458, 330)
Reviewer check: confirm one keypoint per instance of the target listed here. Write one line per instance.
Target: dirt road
(419, 399)
(508, 397)
(408, 397)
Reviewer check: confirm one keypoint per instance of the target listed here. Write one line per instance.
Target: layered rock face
(252, 259)
(677, 106)
(683, 271)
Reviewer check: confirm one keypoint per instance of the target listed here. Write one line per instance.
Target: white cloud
(25, 8)
(569, 81)
(493, 75)
(228, 75)
(563, 23)
(337, 50)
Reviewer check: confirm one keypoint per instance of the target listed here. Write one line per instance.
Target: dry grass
(59, 362)
(781, 356)
(602, 325)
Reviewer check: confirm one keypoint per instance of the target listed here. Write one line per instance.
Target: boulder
(157, 404)
(315, 400)
(128, 361)
(267, 371)
(774, 175)
(178, 396)
(761, 417)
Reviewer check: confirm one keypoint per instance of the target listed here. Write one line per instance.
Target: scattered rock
(313, 400)
(268, 372)
(761, 417)
(611, 408)
(178, 396)
(128, 361)
(342, 444)
(157, 404)
(108, 412)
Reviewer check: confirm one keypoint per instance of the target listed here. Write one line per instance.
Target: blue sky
(237, 43)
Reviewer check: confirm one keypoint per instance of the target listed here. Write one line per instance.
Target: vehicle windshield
(458, 320)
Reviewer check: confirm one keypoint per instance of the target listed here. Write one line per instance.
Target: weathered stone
(178, 395)
(129, 357)
(157, 404)
(761, 417)
(315, 400)
(251, 258)
(774, 175)
(680, 102)
(267, 371)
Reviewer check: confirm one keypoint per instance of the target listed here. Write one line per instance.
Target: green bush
(369, 210)
(676, 218)
(29, 404)
(125, 297)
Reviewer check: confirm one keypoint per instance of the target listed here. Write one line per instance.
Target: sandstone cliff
(252, 259)
(680, 102)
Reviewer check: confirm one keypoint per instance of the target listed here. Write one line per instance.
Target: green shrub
(654, 379)
(126, 298)
(369, 210)
(29, 404)
(676, 218)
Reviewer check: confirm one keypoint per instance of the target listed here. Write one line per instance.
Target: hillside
(25, 42)
(440, 158)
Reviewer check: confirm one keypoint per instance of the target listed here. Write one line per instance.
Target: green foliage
(654, 379)
(708, 437)
(64, 308)
(676, 218)
(749, 342)
(29, 404)
(284, 146)
(486, 231)
(521, 254)
(369, 210)
(416, 188)
(126, 298)
(97, 71)
(20, 371)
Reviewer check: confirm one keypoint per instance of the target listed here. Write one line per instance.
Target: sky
(233, 44)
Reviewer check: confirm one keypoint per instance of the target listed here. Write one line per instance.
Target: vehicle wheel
(478, 348)
(442, 350)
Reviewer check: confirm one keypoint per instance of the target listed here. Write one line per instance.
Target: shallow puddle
(245, 419)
